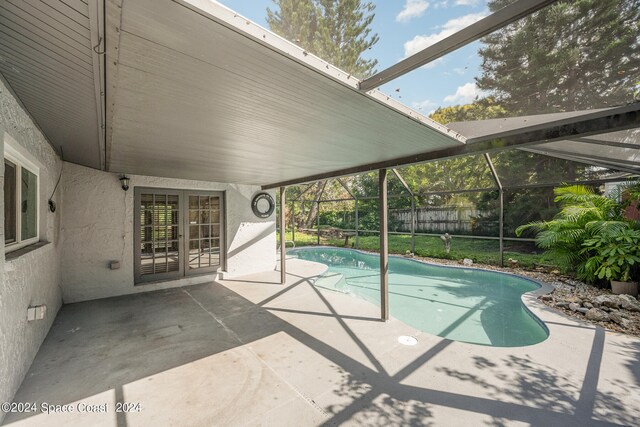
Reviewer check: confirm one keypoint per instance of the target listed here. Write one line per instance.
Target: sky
(406, 27)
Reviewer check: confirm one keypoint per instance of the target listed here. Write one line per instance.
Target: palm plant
(583, 215)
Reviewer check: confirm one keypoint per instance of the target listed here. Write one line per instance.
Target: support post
(357, 220)
(283, 245)
(384, 245)
(501, 195)
(413, 208)
(293, 221)
(318, 223)
(354, 197)
(318, 199)
(501, 226)
(413, 224)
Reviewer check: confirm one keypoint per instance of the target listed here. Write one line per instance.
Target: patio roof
(615, 150)
(50, 55)
(194, 90)
(200, 92)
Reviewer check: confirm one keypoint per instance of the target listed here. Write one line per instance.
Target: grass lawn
(480, 251)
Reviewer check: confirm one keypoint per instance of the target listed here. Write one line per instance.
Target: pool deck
(254, 352)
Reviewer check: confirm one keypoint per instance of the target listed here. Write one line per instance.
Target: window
(21, 182)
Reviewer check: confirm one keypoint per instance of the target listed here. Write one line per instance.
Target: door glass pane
(173, 232)
(146, 201)
(146, 259)
(146, 234)
(159, 210)
(160, 262)
(159, 234)
(173, 255)
(215, 216)
(173, 202)
(175, 217)
(206, 251)
(29, 202)
(146, 217)
(215, 231)
(215, 257)
(194, 249)
(204, 219)
(194, 232)
(9, 202)
(193, 202)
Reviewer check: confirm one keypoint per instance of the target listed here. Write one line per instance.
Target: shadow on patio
(245, 352)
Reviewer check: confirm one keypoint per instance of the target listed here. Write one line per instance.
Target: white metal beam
(582, 125)
(592, 162)
(98, 44)
(491, 23)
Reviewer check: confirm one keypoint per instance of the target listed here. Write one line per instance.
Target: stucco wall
(97, 227)
(34, 277)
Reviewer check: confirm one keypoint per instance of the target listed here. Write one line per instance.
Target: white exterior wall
(97, 227)
(32, 278)
(93, 225)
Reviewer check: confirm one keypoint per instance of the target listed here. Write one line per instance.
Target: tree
(482, 109)
(468, 172)
(569, 56)
(337, 31)
(296, 21)
(344, 35)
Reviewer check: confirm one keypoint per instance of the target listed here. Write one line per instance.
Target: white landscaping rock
(628, 302)
(611, 301)
(596, 315)
(574, 306)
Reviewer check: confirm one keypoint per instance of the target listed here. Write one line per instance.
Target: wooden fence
(445, 219)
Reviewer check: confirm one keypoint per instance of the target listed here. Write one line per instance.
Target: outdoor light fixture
(125, 182)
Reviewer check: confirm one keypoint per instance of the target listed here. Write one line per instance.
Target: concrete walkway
(254, 352)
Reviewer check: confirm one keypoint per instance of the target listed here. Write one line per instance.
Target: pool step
(332, 281)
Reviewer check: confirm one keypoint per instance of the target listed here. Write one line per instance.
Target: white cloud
(427, 104)
(412, 9)
(465, 94)
(442, 4)
(452, 26)
(426, 107)
(466, 2)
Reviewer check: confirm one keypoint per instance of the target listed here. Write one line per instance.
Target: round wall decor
(263, 205)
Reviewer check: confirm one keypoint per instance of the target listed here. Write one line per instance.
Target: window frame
(22, 162)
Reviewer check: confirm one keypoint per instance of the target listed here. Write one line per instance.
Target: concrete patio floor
(254, 352)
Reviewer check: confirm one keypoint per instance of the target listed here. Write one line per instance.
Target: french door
(177, 233)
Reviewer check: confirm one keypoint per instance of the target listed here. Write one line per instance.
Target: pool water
(461, 304)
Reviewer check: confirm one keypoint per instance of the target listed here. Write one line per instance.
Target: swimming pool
(461, 304)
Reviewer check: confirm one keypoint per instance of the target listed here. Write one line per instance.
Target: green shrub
(586, 232)
(616, 250)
